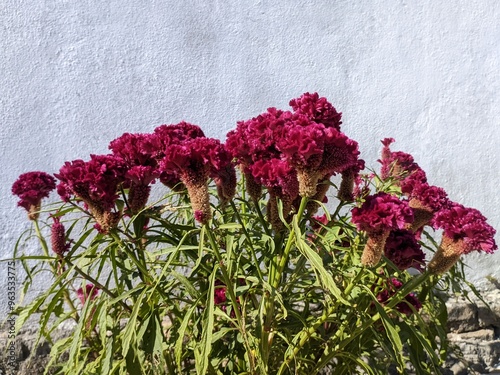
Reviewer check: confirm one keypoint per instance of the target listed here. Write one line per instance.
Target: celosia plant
(222, 276)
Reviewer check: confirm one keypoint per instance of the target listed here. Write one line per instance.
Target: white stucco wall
(76, 74)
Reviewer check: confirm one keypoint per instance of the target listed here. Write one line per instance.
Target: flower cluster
(403, 249)
(31, 188)
(465, 229)
(295, 153)
(378, 215)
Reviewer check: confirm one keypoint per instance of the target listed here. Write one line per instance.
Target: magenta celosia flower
(432, 197)
(95, 181)
(276, 173)
(466, 224)
(194, 161)
(281, 181)
(137, 149)
(412, 180)
(381, 212)
(256, 138)
(403, 307)
(90, 292)
(317, 109)
(58, 237)
(31, 188)
(400, 166)
(378, 215)
(220, 297)
(176, 133)
(403, 249)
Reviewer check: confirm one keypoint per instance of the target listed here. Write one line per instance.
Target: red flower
(276, 173)
(95, 181)
(400, 166)
(31, 188)
(382, 212)
(194, 161)
(137, 149)
(58, 237)
(468, 225)
(317, 109)
(402, 248)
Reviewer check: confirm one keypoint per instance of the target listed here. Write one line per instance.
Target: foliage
(256, 284)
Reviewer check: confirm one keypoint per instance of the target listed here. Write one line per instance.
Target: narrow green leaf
(130, 333)
(205, 345)
(317, 264)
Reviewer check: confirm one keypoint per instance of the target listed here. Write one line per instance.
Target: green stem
(249, 240)
(232, 296)
(307, 332)
(87, 277)
(54, 271)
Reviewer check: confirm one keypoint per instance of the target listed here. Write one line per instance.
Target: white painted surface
(76, 74)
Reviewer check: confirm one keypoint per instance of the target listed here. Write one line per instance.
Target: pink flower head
(58, 237)
(303, 145)
(276, 173)
(137, 149)
(402, 248)
(468, 225)
(95, 181)
(31, 188)
(220, 297)
(177, 133)
(317, 109)
(382, 212)
(403, 307)
(341, 153)
(412, 180)
(432, 197)
(256, 138)
(90, 292)
(200, 157)
(399, 165)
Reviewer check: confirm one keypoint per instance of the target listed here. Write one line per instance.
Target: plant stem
(45, 249)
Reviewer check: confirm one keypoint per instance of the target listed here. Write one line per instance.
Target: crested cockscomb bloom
(58, 237)
(401, 167)
(317, 109)
(413, 179)
(255, 139)
(403, 249)
(139, 152)
(90, 291)
(173, 134)
(194, 161)
(377, 216)
(425, 200)
(96, 183)
(403, 307)
(464, 230)
(316, 152)
(137, 149)
(31, 188)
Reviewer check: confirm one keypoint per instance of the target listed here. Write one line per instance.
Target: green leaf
(317, 264)
(392, 333)
(182, 332)
(205, 345)
(130, 333)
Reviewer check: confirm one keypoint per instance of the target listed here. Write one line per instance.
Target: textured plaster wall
(76, 74)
